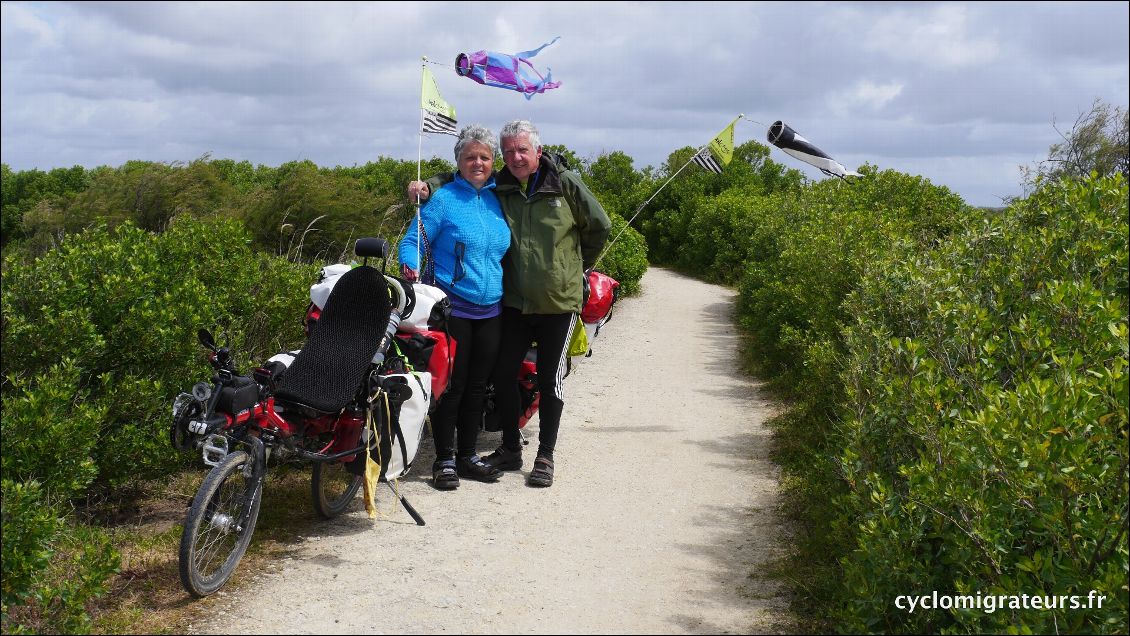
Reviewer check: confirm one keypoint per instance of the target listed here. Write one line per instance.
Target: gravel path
(660, 519)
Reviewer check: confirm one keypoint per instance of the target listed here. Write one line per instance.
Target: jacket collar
(466, 185)
(547, 180)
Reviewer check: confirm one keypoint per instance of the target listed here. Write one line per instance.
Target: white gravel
(661, 517)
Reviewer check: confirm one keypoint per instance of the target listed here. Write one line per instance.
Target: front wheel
(219, 525)
(333, 488)
(185, 409)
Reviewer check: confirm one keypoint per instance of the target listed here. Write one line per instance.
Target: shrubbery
(101, 331)
(987, 451)
(959, 378)
(626, 260)
(24, 190)
(98, 335)
(678, 223)
(807, 251)
(52, 567)
(311, 215)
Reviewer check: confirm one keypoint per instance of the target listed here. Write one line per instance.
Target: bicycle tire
(214, 538)
(179, 436)
(333, 488)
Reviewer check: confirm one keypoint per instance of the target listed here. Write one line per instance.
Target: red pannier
(603, 291)
(431, 351)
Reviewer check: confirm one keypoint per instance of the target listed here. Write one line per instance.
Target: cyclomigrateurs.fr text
(990, 603)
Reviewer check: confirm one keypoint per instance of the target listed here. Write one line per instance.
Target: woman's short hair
(475, 134)
(519, 126)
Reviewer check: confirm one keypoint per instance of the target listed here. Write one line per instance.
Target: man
(557, 230)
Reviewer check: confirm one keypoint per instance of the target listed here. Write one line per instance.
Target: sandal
(542, 474)
(444, 476)
(475, 468)
(505, 459)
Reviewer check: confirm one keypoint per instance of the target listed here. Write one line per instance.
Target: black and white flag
(439, 124)
(705, 159)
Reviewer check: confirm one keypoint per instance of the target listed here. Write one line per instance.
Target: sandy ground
(660, 520)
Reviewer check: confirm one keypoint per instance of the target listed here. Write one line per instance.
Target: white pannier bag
(413, 413)
(426, 297)
(320, 291)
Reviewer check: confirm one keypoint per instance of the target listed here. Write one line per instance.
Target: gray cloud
(959, 93)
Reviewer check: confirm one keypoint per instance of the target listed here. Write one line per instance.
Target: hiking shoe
(444, 476)
(542, 474)
(475, 468)
(505, 459)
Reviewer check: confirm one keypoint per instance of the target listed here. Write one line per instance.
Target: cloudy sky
(960, 93)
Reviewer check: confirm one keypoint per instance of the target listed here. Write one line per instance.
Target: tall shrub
(809, 251)
(987, 448)
(99, 334)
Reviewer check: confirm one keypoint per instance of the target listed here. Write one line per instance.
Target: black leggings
(519, 331)
(461, 406)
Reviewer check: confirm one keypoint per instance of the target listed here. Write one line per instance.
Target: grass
(810, 485)
(809, 492)
(146, 596)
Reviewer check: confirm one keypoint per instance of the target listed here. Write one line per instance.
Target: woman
(468, 236)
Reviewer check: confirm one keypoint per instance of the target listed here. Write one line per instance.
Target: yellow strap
(372, 468)
(388, 417)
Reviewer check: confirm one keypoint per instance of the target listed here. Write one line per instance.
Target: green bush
(29, 527)
(625, 260)
(50, 431)
(100, 334)
(963, 373)
(297, 209)
(807, 252)
(146, 194)
(312, 216)
(728, 233)
(51, 568)
(987, 448)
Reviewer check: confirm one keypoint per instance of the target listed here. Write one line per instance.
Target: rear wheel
(333, 488)
(219, 525)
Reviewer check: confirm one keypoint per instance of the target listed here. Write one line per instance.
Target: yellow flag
(439, 116)
(722, 146)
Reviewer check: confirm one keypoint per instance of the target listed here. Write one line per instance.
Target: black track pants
(461, 406)
(519, 331)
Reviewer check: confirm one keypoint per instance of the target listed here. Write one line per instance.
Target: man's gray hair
(475, 134)
(518, 127)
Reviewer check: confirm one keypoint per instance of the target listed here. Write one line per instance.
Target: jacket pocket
(459, 272)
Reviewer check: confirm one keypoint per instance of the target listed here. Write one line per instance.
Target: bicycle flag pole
(712, 156)
(436, 117)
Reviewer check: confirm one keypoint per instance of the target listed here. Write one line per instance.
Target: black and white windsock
(787, 139)
(706, 159)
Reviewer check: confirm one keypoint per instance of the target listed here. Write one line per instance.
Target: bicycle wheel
(185, 409)
(219, 526)
(333, 488)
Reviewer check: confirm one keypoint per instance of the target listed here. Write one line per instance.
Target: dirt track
(660, 519)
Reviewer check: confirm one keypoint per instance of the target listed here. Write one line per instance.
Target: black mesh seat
(327, 373)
